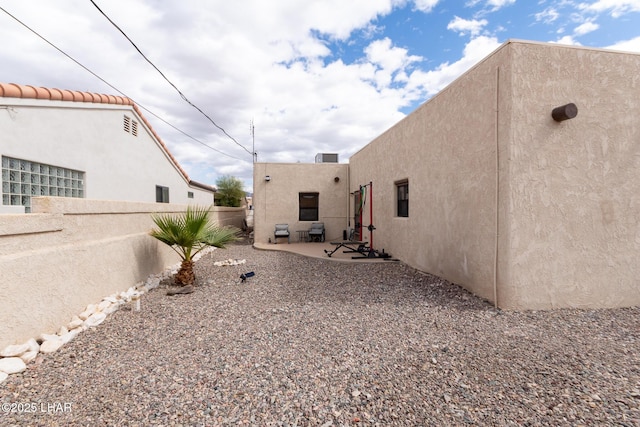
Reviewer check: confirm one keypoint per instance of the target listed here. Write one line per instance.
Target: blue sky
(313, 76)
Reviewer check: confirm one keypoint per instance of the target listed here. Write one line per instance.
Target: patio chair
(282, 230)
(316, 232)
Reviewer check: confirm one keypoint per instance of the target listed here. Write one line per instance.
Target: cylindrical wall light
(565, 112)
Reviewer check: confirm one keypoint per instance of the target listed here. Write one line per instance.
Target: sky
(220, 80)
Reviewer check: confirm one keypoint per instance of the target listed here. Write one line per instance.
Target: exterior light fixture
(565, 112)
(267, 178)
(336, 179)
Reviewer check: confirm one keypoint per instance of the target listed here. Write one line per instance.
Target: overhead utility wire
(169, 81)
(113, 87)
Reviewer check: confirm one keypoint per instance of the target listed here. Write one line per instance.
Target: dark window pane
(308, 206)
(162, 194)
(402, 190)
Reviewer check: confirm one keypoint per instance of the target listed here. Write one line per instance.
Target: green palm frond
(191, 232)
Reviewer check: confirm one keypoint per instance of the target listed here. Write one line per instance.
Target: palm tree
(188, 234)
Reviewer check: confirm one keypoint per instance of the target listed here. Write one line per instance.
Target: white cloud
(389, 57)
(547, 16)
(431, 82)
(617, 8)
(569, 40)
(585, 28)
(492, 4)
(632, 45)
(497, 4)
(425, 5)
(463, 26)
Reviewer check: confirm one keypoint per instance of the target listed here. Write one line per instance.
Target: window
(22, 179)
(162, 194)
(402, 197)
(308, 206)
(190, 194)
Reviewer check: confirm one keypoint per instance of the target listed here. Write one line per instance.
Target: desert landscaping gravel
(314, 342)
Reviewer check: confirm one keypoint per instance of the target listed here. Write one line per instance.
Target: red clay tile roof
(13, 90)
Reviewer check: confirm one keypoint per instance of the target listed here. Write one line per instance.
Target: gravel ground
(311, 342)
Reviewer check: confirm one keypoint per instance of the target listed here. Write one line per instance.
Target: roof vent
(130, 126)
(327, 158)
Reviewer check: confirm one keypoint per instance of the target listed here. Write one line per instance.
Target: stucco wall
(447, 151)
(90, 138)
(276, 201)
(71, 253)
(227, 216)
(515, 207)
(574, 185)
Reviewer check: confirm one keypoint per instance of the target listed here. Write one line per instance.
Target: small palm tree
(188, 234)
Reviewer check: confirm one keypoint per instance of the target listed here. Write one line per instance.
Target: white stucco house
(85, 145)
(82, 176)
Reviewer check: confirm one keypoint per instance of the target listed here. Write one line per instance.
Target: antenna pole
(252, 130)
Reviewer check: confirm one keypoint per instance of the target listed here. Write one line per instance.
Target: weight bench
(351, 247)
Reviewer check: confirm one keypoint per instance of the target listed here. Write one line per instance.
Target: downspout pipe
(371, 215)
(497, 192)
(348, 219)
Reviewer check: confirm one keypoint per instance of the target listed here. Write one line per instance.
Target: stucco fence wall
(227, 216)
(70, 253)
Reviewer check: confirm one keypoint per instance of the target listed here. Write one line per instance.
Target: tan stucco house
(482, 186)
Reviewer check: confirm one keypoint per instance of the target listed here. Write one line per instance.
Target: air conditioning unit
(327, 158)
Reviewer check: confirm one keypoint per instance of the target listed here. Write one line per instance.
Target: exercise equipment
(365, 249)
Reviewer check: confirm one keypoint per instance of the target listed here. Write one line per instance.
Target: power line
(168, 81)
(186, 134)
(112, 86)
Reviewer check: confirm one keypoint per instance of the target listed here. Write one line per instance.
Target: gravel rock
(312, 342)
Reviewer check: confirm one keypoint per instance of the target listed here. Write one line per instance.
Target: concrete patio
(318, 250)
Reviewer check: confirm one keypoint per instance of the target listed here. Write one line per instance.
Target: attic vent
(130, 126)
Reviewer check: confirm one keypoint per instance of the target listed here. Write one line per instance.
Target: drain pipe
(371, 227)
(497, 195)
(348, 201)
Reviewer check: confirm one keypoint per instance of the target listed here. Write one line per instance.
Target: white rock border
(230, 261)
(14, 358)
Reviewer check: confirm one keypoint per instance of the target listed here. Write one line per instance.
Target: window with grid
(23, 179)
(402, 197)
(308, 206)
